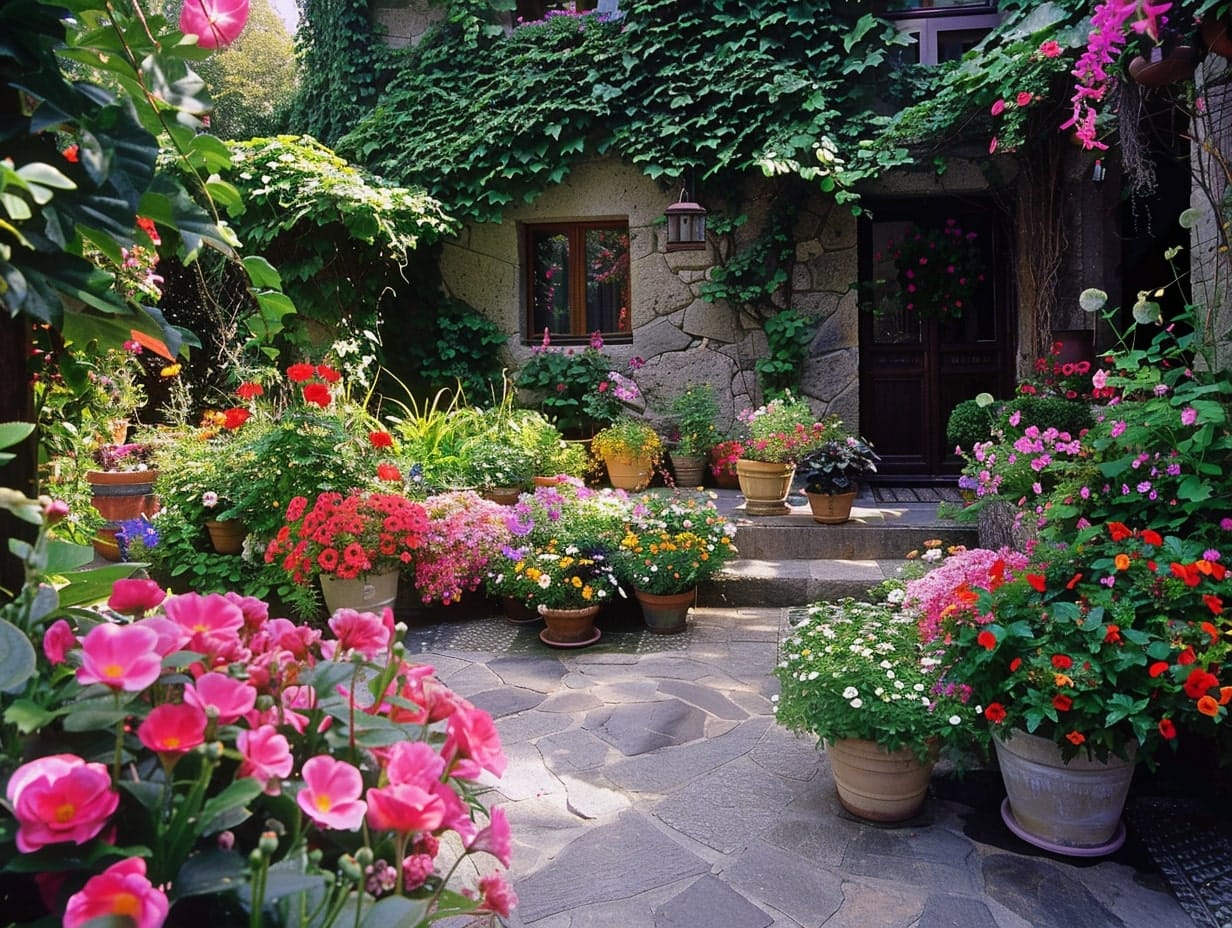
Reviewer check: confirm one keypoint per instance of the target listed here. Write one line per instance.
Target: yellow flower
(587, 593)
(577, 582)
(1061, 679)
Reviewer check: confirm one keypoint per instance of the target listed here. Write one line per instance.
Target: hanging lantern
(686, 225)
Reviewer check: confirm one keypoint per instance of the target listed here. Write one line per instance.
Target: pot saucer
(543, 636)
(1114, 844)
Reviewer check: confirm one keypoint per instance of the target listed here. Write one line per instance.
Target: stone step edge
(752, 582)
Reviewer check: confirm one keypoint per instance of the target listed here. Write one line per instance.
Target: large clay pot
(627, 472)
(765, 486)
(516, 612)
(1164, 67)
(1069, 807)
(569, 628)
(876, 784)
(666, 613)
(367, 594)
(1216, 35)
(227, 536)
(505, 496)
(831, 508)
(689, 470)
(122, 495)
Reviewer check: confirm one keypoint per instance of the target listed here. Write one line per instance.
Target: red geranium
(235, 417)
(249, 390)
(318, 394)
(300, 373)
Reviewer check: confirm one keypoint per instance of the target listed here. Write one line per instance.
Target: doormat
(916, 494)
(1192, 851)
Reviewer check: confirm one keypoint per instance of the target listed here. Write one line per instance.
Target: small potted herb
(694, 412)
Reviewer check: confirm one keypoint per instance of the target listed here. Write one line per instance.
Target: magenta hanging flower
(215, 23)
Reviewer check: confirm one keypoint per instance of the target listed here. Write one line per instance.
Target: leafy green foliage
(712, 88)
(454, 347)
(788, 335)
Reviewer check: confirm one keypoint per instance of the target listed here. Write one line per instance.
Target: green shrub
(970, 422)
(1045, 412)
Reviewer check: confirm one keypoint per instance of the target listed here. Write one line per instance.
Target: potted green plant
(672, 543)
(498, 469)
(1093, 658)
(631, 449)
(573, 585)
(780, 433)
(694, 413)
(855, 676)
(830, 473)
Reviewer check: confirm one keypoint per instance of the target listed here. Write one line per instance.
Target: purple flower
(1189, 415)
(1118, 428)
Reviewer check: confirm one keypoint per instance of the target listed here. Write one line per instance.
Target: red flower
(1198, 682)
(1062, 703)
(1062, 661)
(1187, 572)
(249, 390)
(1112, 635)
(299, 373)
(318, 394)
(1073, 581)
(1119, 531)
(1167, 729)
(328, 374)
(1037, 581)
(1050, 49)
(995, 713)
(1015, 664)
(380, 439)
(986, 640)
(1215, 604)
(1186, 657)
(1151, 537)
(236, 416)
(147, 226)
(71, 154)
(1225, 695)
(1024, 98)
(388, 472)
(1158, 668)
(1075, 737)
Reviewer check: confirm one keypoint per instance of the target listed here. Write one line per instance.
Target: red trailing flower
(300, 373)
(318, 394)
(1075, 737)
(1198, 682)
(995, 713)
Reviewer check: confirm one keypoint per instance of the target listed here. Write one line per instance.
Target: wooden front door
(935, 328)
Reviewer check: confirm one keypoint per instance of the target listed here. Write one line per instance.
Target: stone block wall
(682, 338)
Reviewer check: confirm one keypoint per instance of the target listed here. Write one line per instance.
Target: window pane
(952, 44)
(607, 280)
(898, 6)
(550, 282)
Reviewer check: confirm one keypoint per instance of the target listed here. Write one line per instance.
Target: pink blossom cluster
(465, 531)
(1104, 43)
(194, 671)
(945, 592)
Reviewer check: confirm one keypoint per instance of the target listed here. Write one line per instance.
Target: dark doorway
(935, 327)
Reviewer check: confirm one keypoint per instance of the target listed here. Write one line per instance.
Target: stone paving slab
(718, 818)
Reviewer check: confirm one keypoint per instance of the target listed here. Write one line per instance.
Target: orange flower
(1121, 561)
(1225, 695)
(1075, 737)
(1208, 705)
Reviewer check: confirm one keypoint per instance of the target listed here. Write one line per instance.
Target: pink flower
(173, 729)
(1050, 49)
(498, 895)
(414, 763)
(59, 798)
(495, 838)
(1024, 98)
(121, 892)
(1189, 415)
(331, 792)
(58, 640)
(212, 621)
(228, 697)
(364, 632)
(135, 597)
(120, 656)
(404, 809)
(267, 757)
(214, 22)
(997, 108)
(471, 735)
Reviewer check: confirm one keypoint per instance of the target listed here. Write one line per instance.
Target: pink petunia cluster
(945, 591)
(465, 531)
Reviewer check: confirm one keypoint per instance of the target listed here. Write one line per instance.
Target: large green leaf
(210, 872)
(17, 658)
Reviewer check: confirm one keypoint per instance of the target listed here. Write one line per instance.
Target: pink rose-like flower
(173, 729)
(135, 597)
(58, 640)
(60, 798)
(212, 621)
(495, 838)
(414, 763)
(123, 657)
(267, 757)
(228, 697)
(472, 736)
(498, 895)
(171, 637)
(1050, 49)
(214, 22)
(331, 792)
(997, 108)
(364, 632)
(121, 891)
(404, 809)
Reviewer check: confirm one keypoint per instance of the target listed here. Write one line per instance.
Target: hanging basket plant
(938, 270)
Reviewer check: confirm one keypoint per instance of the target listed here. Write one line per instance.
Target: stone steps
(791, 560)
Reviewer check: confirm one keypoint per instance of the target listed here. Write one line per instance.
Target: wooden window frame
(576, 231)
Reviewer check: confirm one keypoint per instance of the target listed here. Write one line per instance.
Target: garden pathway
(649, 787)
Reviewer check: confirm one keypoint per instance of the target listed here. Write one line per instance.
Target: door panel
(915, 366)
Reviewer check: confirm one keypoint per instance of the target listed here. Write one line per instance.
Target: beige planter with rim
(765, 486)
(876, 784)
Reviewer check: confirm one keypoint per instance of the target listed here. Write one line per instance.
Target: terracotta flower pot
(227, 535)
(689, 470)
(569, 628)
(505, 496)
(122, 495)
(876, 784)
(666, 613)
(765, 486)
(627, 472)
(831, 508)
